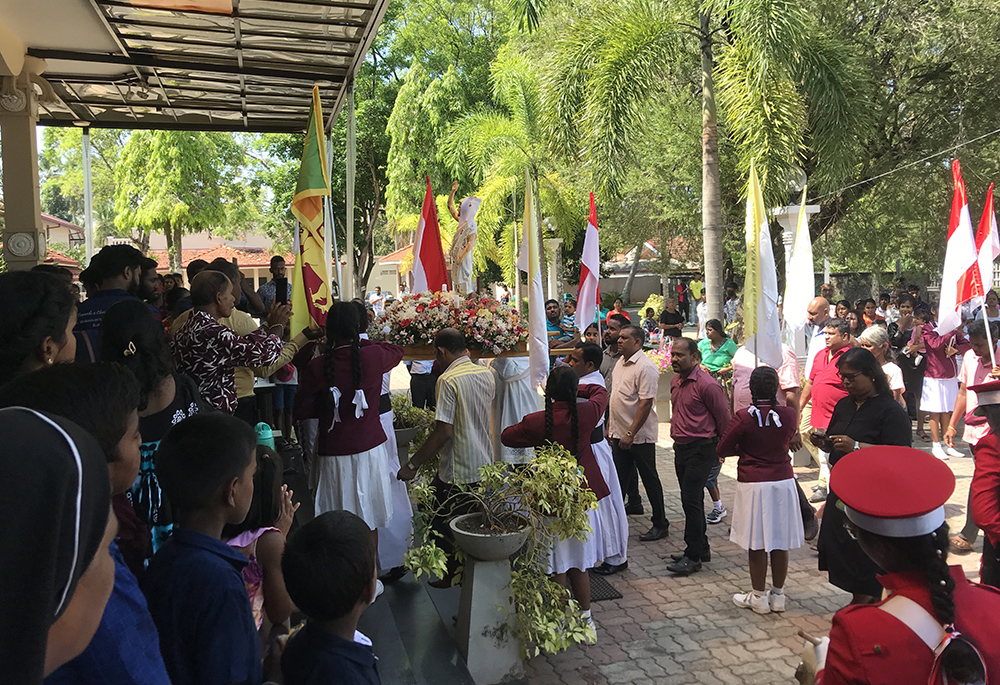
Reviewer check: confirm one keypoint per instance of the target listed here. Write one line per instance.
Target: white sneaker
(952, 452)
(716, 515)
(938, 451)
(593, 626)
(748, 600)
(777, 602)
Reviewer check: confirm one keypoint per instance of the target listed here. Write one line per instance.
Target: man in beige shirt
(633, 425)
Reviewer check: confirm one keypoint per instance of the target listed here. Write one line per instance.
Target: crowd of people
(158, 542)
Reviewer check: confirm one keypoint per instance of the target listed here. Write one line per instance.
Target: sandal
(960, 544)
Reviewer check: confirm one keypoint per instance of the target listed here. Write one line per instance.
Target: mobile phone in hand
(281, 290)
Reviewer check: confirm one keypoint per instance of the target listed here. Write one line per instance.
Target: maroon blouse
(530, 432)
(349, 435)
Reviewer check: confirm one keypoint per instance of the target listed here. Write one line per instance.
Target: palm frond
(479, 138)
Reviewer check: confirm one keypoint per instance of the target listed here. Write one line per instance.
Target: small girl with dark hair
(940, 387)
(569, 423)
(37, 317)
(342, 389)
(131, 336)
(261, 538)
(767, 518)
(592, 334)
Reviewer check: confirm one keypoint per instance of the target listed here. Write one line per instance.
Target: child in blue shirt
(194, 584)
(329, 569)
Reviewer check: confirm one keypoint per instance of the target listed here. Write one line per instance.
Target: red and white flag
(429, 271)
(987, 242)
(960, 281)
(590, 273)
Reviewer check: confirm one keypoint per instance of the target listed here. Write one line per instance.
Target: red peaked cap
(986, 394)
(893, 491)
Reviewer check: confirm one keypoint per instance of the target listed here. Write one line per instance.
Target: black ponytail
(342, 325)
(960, 663)
(561, 387)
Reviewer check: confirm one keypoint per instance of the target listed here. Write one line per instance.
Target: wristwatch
(409, 465)
(857, 445)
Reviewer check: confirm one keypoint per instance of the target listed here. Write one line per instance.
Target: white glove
(820, 651)
(813, 660)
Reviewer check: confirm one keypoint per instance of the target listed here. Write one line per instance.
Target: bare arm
(256, 304)
(451, 199)
(961, 403)
(435, 441)
(277, 604)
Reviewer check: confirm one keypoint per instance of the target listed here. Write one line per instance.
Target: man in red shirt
(984, 492)
(824, 388)
(700, 416)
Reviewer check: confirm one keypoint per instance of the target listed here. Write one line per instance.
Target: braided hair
(561, 387)
(34, 306)
(764, 385)
(342, 325)
(929, 553)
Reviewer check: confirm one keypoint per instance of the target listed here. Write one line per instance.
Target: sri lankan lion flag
(311, 280)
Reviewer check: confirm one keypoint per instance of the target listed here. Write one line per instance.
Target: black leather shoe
(607, 569)
(393, 574)
(654, 533)
(633, 508)
(705, 558)
(685, 567)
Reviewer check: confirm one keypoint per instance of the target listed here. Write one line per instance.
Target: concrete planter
(485, 633)
(663, 396)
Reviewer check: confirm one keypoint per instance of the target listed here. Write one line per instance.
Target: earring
(49, 360)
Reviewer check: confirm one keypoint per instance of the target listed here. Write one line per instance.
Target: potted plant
(412, 425)
(539, 502)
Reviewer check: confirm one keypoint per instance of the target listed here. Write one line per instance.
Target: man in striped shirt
(461, 432)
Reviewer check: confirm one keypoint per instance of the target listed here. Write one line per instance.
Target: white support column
(88, 198)
(347, 288)
(553, 247)
(23, 234)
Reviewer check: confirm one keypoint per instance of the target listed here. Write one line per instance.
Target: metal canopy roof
(250, 67)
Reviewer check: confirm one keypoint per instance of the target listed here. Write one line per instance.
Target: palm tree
(789, 95)
(497, 146)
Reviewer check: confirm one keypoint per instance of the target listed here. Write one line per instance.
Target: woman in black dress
(867, 416)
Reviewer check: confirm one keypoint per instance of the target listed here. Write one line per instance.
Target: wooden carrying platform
(413, 353)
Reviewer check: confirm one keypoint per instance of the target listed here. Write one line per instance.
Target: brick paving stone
(667, 630)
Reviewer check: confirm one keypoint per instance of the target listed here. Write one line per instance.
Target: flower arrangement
(414, 320)
(661, 358)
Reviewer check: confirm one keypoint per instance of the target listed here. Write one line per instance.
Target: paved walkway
(668, 630)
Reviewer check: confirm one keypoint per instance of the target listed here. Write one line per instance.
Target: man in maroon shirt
(700, 416)
(824, 388)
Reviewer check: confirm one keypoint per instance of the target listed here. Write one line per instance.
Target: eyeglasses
(849, 377)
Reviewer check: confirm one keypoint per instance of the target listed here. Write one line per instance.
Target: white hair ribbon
(755, 412)
(360, 403)
(335, 391)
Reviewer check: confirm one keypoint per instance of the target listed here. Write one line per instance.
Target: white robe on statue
(467, 231)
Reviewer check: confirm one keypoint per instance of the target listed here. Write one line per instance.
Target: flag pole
(989, 335)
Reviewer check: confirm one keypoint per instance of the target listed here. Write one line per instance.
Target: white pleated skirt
(611, 509)
(938, 395)
(394, 539)
(577, 553)
(358, 483)
(767, 516)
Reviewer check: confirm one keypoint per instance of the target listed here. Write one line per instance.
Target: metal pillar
(352, 151)
(88, 197)
(23, 235)
(330, 251)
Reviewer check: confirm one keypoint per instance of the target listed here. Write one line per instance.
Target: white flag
(529, 261)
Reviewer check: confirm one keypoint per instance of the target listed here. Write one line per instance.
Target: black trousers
(459, 504)
(642, 458)
(991, 564)
(693, 462)
(971, 531)
(422, 390)
(246, 410)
